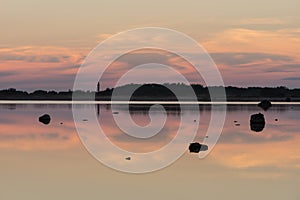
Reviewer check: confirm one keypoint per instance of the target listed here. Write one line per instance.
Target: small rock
(194, 120)
(128, 158)
(235, 121)
(197, 147)
(265, 104)
(61, 123)
(45, 119)
(85, 120)
(115, 113)
(237, 124)
(276, 120)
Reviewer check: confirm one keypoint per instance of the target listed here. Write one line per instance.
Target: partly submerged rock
(265, 104)
(45, 119)
(257, 118)
(257, 122)
(197, 147)
(257, 127)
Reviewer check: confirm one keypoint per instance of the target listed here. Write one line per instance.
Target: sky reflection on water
(36, 159)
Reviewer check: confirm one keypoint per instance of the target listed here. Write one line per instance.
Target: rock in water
(128, 158)
(265, 104)
(45, 119)
(257, 122)
(197, 147)
(257, 127)
(257, 118)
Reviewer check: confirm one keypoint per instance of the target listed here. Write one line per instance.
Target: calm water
(50, 162)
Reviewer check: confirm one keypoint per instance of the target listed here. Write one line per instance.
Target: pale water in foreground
(50, 162)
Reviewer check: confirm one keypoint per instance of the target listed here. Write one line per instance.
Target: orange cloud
(284, 41)
(33, 67)
(242, 55)
(104, 36)
(261, 21)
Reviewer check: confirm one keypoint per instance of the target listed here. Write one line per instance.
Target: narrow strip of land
(145, 102)
(156, 92)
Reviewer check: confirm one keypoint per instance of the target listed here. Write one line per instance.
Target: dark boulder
(45, 119)
(197, 147)
(265, 104)
(257, 118)
(257, 127)
(257, 122)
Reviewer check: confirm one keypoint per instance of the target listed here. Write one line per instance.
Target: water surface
(50, 162)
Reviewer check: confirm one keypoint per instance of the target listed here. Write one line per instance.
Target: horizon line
(70, 90)
(143, 102)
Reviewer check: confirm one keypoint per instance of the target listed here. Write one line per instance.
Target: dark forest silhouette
(161, 93)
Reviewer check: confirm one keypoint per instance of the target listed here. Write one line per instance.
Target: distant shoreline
(143, 102)
(162, 93)
(108, 100)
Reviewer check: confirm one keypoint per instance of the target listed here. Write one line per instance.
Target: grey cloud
(237, 59)
(291, 79)
(284, 68)
(9, 73)
(33, 58)
(58, 82)
(143, 58)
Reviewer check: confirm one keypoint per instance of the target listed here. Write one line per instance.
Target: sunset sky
(254, 43)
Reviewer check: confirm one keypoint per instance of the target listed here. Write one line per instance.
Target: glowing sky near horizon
(42, 43)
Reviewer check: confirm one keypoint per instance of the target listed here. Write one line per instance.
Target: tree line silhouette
(160, 92)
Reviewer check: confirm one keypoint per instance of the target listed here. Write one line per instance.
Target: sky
(253, 43)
